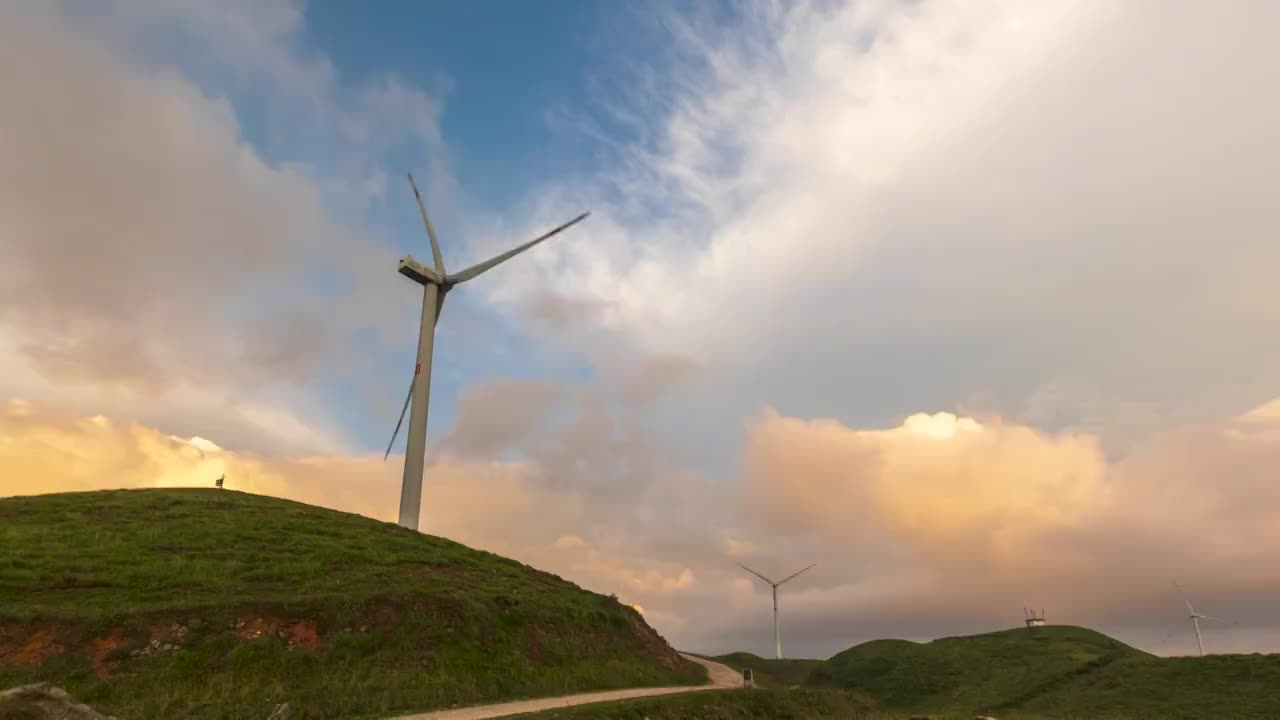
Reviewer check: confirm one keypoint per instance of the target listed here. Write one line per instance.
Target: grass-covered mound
(1227, 687)
(973, 673)
(1057, 672)
(219, 604)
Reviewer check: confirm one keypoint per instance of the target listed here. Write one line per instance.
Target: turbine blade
(789, 577)
(404, 409)
(753, 572)
(431, 233)
(1214, 619)
(493, 262)
(439, 303)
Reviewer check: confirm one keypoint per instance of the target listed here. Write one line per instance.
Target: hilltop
(977, 672)
(1043, 672)
(219, 604)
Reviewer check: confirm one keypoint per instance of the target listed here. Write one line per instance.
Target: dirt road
(721, 677)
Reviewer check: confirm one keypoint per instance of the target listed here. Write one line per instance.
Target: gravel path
(721, 677)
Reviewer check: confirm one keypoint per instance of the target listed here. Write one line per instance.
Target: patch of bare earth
(103, 658)
(303, 634)
(298, 633)
(31, 645)
(28, 645)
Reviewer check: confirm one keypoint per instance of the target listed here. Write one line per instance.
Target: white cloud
(202, 444)
(158, 265)
(876, 207)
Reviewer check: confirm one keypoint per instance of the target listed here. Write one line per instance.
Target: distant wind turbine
(435, 284)
(1195, 617)
(777, 635)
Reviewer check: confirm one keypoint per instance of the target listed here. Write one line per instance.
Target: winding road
(722, 677)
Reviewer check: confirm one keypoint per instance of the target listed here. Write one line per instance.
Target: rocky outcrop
(43, 701)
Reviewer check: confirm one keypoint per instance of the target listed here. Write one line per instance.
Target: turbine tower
(1194, 617)
(436, 283)
(777, 635)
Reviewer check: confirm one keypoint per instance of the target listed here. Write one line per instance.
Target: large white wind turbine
(1195, 618)
(777, 635)
(435, 284)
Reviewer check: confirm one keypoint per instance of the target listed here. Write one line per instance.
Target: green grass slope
(969, 674)
(218, 604)
(1051, 672)
(1228, 687)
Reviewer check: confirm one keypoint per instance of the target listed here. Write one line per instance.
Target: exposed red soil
(304, 634)
(299, 633)
(32, 645)
(103, 662)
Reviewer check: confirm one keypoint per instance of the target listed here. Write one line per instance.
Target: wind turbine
(436, 283)
(777, 636)
(1194, 617)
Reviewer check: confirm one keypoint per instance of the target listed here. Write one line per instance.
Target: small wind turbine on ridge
(777, 635)
(1195, 618)
(436, 283)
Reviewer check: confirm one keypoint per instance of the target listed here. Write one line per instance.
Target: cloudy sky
(972, 303)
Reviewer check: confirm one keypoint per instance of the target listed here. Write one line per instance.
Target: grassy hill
(218, 604)
(974, 673)
(1055, 672)
(1227, 687)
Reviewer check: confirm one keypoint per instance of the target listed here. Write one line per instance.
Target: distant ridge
(1051, 671)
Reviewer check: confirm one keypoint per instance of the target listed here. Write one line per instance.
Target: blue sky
(498, 67)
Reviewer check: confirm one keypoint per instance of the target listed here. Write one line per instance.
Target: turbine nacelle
(419, 273)
(424, 274)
